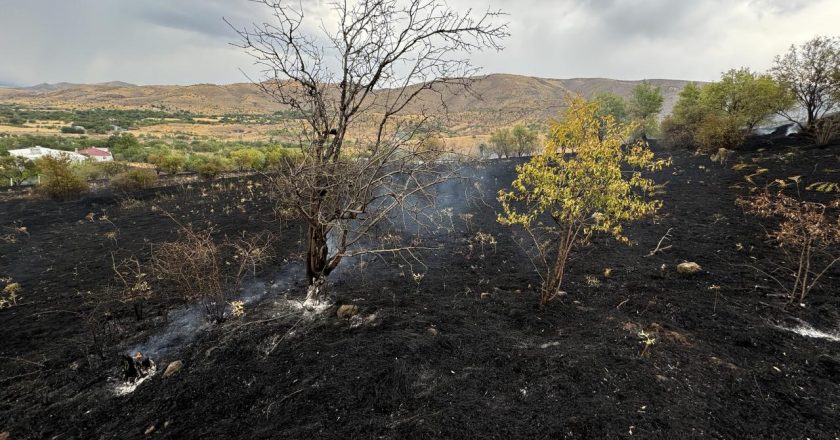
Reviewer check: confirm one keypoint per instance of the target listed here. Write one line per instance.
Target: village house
(37, 152)
(97, 154)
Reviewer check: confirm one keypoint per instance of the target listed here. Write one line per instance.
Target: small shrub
(73, 130)
(675, 134)
(134, 180)
(211, 167)
(102, 170)
(59, 180)
(209, 272)
(718, 131)
(806, 233)
(826, 129)
(10, 295)
(134, 284)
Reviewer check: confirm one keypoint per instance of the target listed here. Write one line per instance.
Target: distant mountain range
(497, 99)
(46, 87)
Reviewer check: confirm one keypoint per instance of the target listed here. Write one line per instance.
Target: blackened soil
(463, 352)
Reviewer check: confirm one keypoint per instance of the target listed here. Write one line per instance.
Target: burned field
(454, 349)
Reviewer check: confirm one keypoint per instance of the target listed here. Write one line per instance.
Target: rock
(485, 295)
(688, 268)
(173, 369)
(432, 331)
(347, 311)
(4, 435)
(150, 430)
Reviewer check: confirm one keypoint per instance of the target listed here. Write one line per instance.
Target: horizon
(188, 43)
(129, 84)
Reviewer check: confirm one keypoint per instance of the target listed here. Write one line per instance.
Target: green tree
(501, 142)
(17, 169)
(126, 147)
(524, 140)
(561, 200)
(690, 107)
(645, 104)
(811, 72)
(612, 105)
(747, 97)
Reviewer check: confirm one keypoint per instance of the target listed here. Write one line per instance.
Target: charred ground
(463, 353)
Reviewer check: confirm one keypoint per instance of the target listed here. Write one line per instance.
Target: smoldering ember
(385, 219)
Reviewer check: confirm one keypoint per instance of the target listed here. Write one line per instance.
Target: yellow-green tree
(167, 160)
(247, 159)
(588, 180)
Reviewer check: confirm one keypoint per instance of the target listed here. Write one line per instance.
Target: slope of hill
(516, 97)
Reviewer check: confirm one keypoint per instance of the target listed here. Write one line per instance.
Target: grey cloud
(780, 6)
(186, 41)
(204, 17)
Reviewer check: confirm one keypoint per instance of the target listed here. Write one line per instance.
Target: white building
(34, 153)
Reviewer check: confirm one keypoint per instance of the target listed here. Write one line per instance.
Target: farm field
(462, 352)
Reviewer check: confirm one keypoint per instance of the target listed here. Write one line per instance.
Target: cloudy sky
(187, 42)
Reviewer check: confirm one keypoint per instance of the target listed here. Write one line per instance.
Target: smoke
(184, 324)
(808, 331)
(424, 221)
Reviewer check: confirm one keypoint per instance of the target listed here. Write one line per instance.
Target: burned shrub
(208, 272)
(134, 286)
(807, 233)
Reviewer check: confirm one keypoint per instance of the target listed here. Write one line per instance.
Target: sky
(187, 41)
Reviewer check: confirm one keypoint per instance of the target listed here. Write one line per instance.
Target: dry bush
(134, 283)
(59, 180)
(208, 272)
(807, 234)
(134, 180)
(826, 129)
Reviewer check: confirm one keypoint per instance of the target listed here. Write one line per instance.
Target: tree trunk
(316, 261)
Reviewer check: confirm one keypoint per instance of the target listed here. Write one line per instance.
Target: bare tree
(812, 73)
(360, 75)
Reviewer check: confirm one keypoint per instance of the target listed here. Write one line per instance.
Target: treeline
(99, 121)
(641, 109)
(207, 158)
(102, 121)
(802, 87)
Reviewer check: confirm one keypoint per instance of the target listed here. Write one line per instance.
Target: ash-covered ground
(461, 352)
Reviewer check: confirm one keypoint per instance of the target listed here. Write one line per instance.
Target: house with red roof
(97, 154)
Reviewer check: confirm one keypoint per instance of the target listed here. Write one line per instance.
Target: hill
(510, 96)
